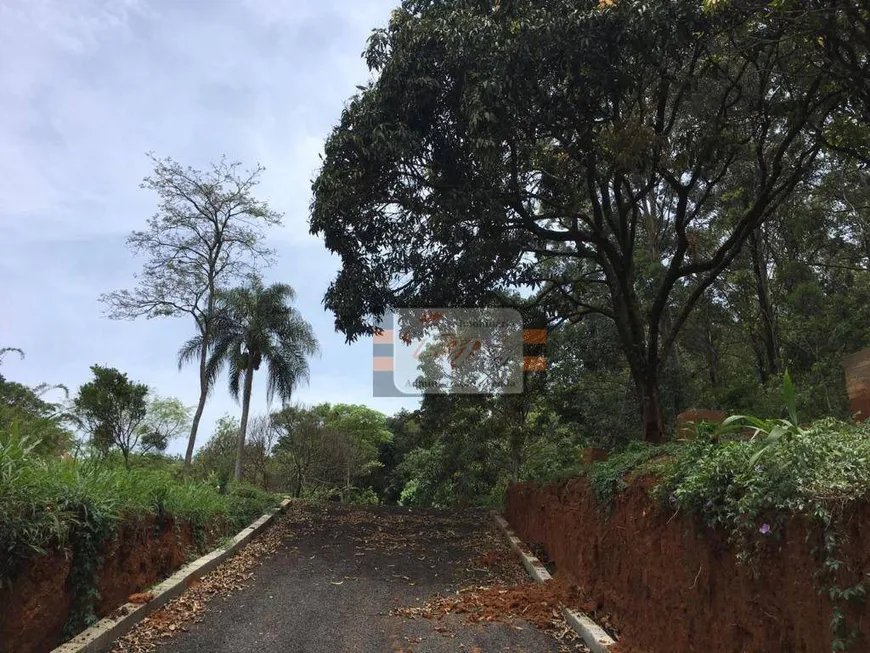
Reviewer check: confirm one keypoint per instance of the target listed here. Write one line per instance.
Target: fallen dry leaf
(140, 597)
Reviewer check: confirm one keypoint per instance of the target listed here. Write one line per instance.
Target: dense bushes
(742, 483)
(811, 471)
(56, 502)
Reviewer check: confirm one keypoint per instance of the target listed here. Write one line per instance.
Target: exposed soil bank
(673, 586)
(35, 608)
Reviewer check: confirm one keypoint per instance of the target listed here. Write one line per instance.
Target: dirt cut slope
(675, 587)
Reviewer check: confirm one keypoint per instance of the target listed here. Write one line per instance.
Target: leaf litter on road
(229, 577)
(490, 586)
(537, 603)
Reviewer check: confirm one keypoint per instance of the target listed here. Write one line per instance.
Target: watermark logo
(451, 351)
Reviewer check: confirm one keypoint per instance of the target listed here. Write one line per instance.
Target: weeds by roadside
(78, 505)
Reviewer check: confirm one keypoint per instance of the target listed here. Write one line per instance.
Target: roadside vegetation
(79, 466)
(676, 192)
(80, 505)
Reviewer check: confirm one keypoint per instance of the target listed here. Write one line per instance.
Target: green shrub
(610, 477)
(810, 471)
(245, 502)
(47, 502)
(30, 513)
(361, 496)
(751, 488)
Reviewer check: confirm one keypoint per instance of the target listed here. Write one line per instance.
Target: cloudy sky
(87, 87)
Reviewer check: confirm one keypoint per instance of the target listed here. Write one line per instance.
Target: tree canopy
(333, 446)
(111, 409)
(255, 325)
(605, 159)
(44, 423)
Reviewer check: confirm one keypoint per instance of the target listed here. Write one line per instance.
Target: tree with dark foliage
(613, 157)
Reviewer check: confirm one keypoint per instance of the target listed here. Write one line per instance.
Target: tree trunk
(200, 407)
(760, 364)
(297, 492)
(651, 407)
(653, 426)
(243, 428)
(769, 335)
(712, 354)
(636, 345)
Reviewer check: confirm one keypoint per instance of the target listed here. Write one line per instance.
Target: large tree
(835, 37)
(363, 430)
(614, 157)
(206, 235)
(166, 418)
(111, 409)
(301, 445)
(252, 325)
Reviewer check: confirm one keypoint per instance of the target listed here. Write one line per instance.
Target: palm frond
(190, 351)
(298, 331)
(236, 369)
(221, 344)
(253, 323)
(287, 369)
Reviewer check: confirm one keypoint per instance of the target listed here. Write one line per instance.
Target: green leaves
(45, 424)
(730, 485)
(165, 419)
(766, 431)
(330, 447)
(47, 502)
(594, 161)
(609, 478)
(254, 324)
(111, 409)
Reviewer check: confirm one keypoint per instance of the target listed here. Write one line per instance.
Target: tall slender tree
(206, 235)
(252, 325)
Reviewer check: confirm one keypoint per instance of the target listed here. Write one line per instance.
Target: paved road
(331, 586)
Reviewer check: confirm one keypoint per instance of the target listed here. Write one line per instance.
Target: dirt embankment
(35, 608)
(674, 586)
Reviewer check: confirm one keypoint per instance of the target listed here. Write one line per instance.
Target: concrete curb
(101, 635)
(593, 635)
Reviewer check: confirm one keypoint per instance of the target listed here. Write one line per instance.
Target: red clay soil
(29, 608)
(136, 559)
(673, 586)
(35, 608)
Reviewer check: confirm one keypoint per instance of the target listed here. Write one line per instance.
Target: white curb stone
(100, 636)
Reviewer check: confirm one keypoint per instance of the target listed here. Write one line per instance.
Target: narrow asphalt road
(340, 573)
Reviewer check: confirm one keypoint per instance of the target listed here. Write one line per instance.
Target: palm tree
(255, 324)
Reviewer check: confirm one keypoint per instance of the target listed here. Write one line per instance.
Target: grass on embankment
(51, 503)
(733, 482)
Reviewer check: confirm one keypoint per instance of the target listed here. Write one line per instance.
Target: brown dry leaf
(140, 597)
